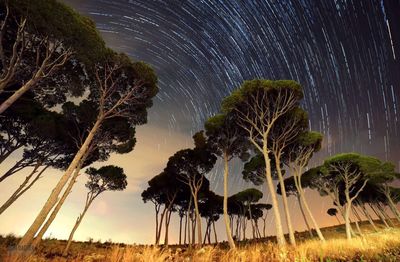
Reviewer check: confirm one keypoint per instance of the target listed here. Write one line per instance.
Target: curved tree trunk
(292, 239)
(305, 204)
(78, 222)
(225, 206)
(27, 239)
(275, 207)
(304, 216)
(23, 188)
(370, 220)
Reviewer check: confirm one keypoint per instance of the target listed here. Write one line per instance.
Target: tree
(106, 178)
(210, 208)
(115, 136)
(228, 141)
(348, 173)
(39, 39)
(123, 90)
(299, 154)
(249, 197)
(256, 106)
(190, 166)
(264, 208)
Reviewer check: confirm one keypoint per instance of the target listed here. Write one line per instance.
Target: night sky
(344, 53)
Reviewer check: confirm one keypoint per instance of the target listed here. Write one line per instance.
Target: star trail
(345, 53)
(342, 52)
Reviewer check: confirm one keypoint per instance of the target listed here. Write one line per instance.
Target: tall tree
(123, 90)
(256, 106)
(228, 141)
(106, 178)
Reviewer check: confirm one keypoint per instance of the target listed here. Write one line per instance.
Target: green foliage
(106, 178)
(250, 88)
(53, 19)
(250, 195)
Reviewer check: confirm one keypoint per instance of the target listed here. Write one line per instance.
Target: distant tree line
(263, 124)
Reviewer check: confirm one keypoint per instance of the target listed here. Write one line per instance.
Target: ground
(371, 246)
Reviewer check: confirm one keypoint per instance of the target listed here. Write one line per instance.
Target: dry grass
(382, 246)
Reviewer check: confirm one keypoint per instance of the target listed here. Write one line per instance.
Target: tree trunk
(206, 233)
(379, 215)
(392, 206)
(198, 219)
(347, 221)
(186, 227)
(78, 222)
(22, 90)
(57, 208)
(157, 210)
(160, 225)
(180, 230)
(22, 188)
(226, 217)
(275, 207)
(215, 232)
(292, 239)
(304, 215)
(264, 226)
(27, 239)
(167, 220)
(365, 211)
(305, 204)
(381, 208)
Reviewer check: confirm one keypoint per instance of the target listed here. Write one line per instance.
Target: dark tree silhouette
(106, 178)
(228, 141)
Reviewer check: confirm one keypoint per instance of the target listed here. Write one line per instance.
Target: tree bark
(22, 188)
(57, 208)
(215, 232)
(365, 211)
(275, 207)
(225, 206)
(300, 190)
(304, 215)
(196, 207)
(27, 239)
(292, 239)
(22, 90)
(180, 229)
(78, 222)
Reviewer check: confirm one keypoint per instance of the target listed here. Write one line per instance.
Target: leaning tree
(343, 177)
(122, 89)
(45, 47)
(256, 106)
(106, 178)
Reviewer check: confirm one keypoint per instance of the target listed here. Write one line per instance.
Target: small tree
(248, 197)
(106, 178)
(190, 166)
(228, 141)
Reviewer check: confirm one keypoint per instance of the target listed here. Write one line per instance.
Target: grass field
(372, 246)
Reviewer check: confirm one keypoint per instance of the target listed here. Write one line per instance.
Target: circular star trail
(344, 53)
